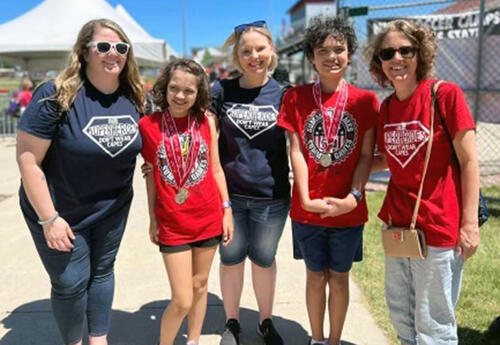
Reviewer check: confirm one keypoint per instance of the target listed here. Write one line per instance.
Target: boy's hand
(338, 206)
(315, 206)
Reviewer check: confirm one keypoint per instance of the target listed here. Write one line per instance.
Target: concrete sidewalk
(142, 290)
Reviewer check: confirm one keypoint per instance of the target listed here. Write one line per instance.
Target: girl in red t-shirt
(188, 201)
(421, 293)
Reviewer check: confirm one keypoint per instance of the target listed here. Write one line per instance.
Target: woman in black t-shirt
(253, 156)
(76, 149)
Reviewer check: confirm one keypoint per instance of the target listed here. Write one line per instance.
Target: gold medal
(181, 196)
(325, 160)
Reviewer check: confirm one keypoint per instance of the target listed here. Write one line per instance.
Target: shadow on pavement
(32, 323)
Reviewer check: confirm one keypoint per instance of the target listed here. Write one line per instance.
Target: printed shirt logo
(252, 120)
(315, 140)
(403, 140)
(112, 134)
(200, 166)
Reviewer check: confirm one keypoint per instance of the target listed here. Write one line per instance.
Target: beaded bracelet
(50, 220)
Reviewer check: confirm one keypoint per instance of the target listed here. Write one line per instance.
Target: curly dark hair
(422, 37)
(320, 28)
(202, 97)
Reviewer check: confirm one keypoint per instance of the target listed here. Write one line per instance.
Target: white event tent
(40, 39)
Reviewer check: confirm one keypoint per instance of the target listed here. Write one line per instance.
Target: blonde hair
(235, 40)
(70, 80)
(423, 38)
(26, 84)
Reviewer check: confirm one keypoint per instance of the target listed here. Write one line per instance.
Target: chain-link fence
(8, 123)
(468, 33)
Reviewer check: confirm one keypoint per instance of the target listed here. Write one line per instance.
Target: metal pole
(184, 45)
(337, 7)
(478, 63)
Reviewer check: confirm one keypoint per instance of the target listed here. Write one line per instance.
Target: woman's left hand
(339, 206)
(468, 240)
(227, 227)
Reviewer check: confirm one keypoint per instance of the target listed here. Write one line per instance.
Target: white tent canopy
(123, 12)
(41, 38)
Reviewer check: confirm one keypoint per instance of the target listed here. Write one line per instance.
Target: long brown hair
(70, 80)
(190, 66)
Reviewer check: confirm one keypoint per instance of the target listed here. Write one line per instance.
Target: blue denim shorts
(421, 295)
(258, 225)
(325, 248)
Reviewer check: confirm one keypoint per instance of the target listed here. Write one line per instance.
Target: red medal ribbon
(181, 169)
(331, 124)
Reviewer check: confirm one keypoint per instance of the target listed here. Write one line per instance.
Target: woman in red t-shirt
(421, 293)
(188, 201)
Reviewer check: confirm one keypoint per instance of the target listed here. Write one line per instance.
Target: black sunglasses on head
(242, 27)
(105, 47)
(406, 52)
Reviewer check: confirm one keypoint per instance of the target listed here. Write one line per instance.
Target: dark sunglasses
(406, 52)
(242, 27)
(105, 47)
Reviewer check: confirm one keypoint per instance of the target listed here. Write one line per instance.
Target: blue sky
(208, 22)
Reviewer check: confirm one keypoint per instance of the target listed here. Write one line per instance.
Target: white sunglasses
(105, 47)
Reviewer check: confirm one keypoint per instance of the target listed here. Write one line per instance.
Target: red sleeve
(372, 110)
(380, 127)
(287, 118)
(148, 146)
(454, 108)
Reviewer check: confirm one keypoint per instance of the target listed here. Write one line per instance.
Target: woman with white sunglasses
(76, 148)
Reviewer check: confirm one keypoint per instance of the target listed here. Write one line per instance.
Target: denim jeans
(327, 248)
(258, 225)
(421, 296)
(83, 279)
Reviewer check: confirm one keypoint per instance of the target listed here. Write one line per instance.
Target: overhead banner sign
(451, 26)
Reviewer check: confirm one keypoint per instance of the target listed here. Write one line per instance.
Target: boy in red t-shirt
(331, 126)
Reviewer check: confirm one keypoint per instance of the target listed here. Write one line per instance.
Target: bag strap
(427, 155)
(443, 123)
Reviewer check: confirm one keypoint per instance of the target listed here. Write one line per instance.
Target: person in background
(421, 293)
(25, 95)
(331, 127)
(282, 76)
(77, 144)
(253, 156)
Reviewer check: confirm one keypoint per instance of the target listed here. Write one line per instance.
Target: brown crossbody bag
(410, 242)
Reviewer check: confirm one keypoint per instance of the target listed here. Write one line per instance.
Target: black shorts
(209, 242)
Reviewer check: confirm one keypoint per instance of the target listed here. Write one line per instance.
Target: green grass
(9, 83)
(479, 302)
